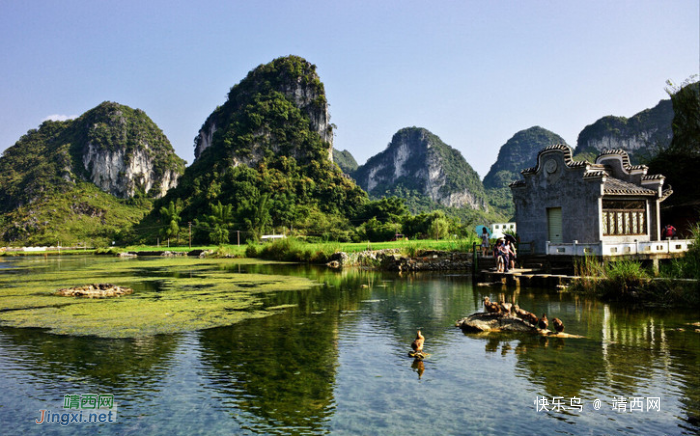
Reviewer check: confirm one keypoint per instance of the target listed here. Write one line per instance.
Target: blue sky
(472, 72)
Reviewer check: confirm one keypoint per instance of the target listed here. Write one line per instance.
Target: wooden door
(554, 227)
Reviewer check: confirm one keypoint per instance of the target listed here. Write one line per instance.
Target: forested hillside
(84, 179)
(263, 163)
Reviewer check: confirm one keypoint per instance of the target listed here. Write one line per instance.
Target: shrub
(107, 251)
(625, 279)
(225, 251)
(251, 250)
(688, 266)
(411, 250)
(295, 250)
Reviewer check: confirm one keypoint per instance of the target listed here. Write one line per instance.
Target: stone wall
(557, 185)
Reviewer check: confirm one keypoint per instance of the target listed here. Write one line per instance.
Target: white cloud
(59, 117)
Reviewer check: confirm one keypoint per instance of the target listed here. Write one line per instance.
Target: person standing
(503, 257)
(510, 250)
(484, 242)
(669, 231)
(497, 256)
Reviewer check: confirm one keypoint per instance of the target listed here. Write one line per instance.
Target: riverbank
(291, 249)
(394, 260)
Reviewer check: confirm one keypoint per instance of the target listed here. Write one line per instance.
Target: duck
(491, 307)
(531, 318)
(543, 323)
(558, 325)
(525, 315)
(505, 307)
(417, 344)
(520, 313)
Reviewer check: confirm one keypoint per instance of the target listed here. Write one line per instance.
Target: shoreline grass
(299, 246)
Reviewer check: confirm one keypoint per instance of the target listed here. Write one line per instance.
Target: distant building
(269, 238)
(500, 229)
(562, 201)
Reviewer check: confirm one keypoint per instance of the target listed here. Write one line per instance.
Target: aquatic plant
(625, 279)
(171, 295)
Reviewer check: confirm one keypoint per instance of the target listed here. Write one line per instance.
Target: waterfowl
(543, 323)
(417, 344)
(558, 325)
(531, 318)
(525, 315)
(491, 307)
(505, 307)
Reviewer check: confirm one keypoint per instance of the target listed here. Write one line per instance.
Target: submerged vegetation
(170, 296)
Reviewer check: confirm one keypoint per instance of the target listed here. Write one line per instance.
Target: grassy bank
(288, 249)
(294, 250)
(677, 284)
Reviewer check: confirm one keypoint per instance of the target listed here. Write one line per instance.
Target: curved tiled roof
(594, 174)
(568, 159)
(613, 186)
(626, 164)
(666, 193)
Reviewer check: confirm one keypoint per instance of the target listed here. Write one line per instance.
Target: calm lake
(333, 359)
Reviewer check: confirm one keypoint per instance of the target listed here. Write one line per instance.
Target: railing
(618, 248)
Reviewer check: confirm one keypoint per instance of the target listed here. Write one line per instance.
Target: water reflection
(101, 363)
(419, 366)
(333, 360)
(280, 371)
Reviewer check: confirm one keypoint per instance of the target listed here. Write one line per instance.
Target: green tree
(686, 119)
(219, 222)
(171, 221)
(387, 209)
(256, 214)
(679, 163)
(440, 227)
(376, 231)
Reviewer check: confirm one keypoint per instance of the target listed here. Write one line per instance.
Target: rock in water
(485, 322)
(101, 290)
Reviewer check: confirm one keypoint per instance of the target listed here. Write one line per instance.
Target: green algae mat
(170, 295)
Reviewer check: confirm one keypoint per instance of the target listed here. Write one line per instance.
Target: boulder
(491, 322)
(487, 322)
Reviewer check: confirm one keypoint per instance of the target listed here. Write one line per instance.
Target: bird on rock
(491, 307)
(558, 325)
(544, 323)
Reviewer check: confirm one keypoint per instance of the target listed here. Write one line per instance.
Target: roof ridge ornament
(624, 155)
(567, 155)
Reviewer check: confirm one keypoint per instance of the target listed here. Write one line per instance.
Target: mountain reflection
(99, 363)
(280, 371)
(334, 359)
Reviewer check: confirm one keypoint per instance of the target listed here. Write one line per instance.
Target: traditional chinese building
(562, 202)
